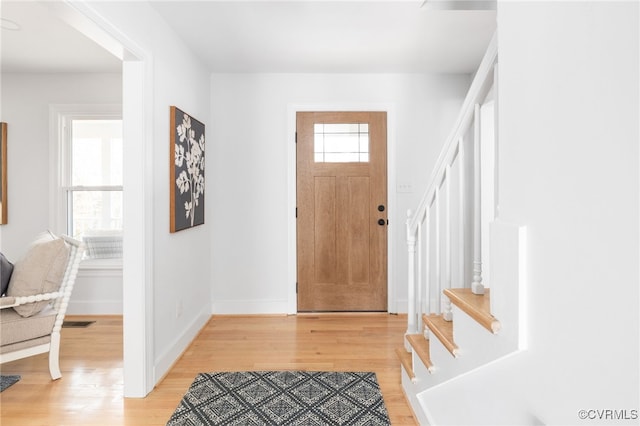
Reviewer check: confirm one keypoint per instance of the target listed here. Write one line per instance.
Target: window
(341, 143)
(90, 175)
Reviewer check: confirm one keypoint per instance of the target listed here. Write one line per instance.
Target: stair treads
(476, 306)
(421, 347)
(405, 360)
(443, 330)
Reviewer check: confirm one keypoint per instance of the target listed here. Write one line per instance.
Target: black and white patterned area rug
(7, 381)
(282, 398)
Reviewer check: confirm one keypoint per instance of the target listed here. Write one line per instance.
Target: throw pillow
(40, 271)
(6, 269)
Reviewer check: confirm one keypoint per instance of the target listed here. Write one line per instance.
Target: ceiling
(44, 43)
(330, 36)
(239, 36)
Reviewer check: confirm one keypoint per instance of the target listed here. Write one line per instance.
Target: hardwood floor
(90, 391)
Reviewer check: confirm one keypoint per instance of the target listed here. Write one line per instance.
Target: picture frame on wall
(186, 170)
(3, 174)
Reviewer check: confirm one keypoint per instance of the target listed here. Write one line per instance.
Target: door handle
(381, 222)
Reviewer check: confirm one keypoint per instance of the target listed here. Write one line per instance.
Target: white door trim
(137, 114)
(394, 221)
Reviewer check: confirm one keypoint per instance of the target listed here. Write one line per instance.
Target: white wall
(25, 107)
(569, 170)
(252, 137)
(97, 291)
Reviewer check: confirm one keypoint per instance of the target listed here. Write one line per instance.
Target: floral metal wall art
(186, 171)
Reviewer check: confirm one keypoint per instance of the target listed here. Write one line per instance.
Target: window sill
(101, 264)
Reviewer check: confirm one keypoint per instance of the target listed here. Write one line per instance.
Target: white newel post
(476, 285)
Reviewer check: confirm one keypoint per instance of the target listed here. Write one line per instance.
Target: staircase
(465, 266)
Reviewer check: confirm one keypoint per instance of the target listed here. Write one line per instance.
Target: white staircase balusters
(431, 246)
(438, 280)
(461, 210)
(476, 285)
(446, 309)
(444, 242)
(430, 238)
(427, 272)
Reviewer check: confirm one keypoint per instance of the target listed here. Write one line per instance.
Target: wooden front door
(342, 211)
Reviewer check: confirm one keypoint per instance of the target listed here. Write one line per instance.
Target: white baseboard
(256, 307)
(92, 307)
(166, 360)
(249, 307)
(402, 306)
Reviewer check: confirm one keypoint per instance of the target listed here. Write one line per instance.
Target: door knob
(381, 222)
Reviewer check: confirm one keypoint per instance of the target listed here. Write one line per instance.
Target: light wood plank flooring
(90, 391)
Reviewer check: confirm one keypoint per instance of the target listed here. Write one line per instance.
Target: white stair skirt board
(508, 266)
(411, 393)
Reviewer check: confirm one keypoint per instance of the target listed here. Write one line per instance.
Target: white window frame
(60, 117)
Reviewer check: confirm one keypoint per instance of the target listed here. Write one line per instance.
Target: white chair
(22, 337)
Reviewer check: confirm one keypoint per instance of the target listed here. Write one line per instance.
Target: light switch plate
(404, 188)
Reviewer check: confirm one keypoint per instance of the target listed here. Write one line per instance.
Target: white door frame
(137, 115)
(292, 110)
